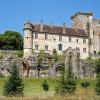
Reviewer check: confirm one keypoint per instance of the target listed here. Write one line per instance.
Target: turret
(28, 39)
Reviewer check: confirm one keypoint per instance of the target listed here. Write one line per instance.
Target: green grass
(33, 89)
(33, 86)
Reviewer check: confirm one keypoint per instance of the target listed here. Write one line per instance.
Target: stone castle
(83, 35)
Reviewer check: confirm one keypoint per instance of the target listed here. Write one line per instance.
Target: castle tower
(28, 39)
(84, 21)
(81, 20)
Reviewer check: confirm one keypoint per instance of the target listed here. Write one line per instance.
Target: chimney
(41, 26)
(64, 28)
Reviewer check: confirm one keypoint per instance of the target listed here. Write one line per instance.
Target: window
(36, 47)
(84, 50)
(77, 40)
(46, 36)
(77, 48)
(36, 35)
(54, 39)
(84, 40)
(60, 47)
(60, 37)
(46, 48)
(93, 32)
(70, 39)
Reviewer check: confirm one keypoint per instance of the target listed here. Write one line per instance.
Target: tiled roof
(59, 30)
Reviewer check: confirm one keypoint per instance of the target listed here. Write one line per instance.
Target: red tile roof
(59, 30)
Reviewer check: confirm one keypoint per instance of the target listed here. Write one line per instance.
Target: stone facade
(85, 35)
(91, 27)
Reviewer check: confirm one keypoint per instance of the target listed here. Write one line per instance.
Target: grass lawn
(33, 89)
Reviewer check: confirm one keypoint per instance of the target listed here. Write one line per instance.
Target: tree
(55, 58)
(85, 85)
(11, 40)
(14, 86)
(40, 58)
(97, 88)
(66, 84)
(55, 55)
(97, 66)
(45, 86)
(97, 69)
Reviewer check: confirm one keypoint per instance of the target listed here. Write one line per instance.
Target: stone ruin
(28, 66)
(80, 68)
(6, 62)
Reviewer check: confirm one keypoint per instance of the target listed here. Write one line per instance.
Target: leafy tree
(55, 58)
(11, 40)
(97, 69)
(40, 58)
(55, 55)
(45, 86)
(97, 88)
(66, 84)
(14, 86)
(85, 85)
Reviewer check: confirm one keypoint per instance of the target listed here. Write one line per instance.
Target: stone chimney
(64, 28)
(41, 26)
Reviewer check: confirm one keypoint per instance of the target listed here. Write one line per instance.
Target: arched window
(60, 47)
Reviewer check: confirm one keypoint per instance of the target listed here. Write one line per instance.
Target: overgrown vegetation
(33, 90)
(67, 83)
(11, 40)
(14, 86)
(45, 86)
(85, 85)
(97, 89)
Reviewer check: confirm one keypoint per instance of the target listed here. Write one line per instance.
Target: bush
(45, 86)
(97, 88)
(66, 86)
(85, 85)
(19, 53)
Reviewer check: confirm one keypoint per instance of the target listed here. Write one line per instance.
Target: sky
(14, 13)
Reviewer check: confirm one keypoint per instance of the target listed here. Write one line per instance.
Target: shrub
(85, 85)
(97, 88)
(45, 86)
(66, 86)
